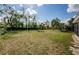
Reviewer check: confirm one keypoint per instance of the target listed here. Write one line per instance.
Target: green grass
(36, 42)
(63, 38)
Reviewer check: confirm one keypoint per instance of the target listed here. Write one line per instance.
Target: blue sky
(50, 11)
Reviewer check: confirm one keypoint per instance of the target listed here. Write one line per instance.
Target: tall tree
(47, 23)
(71, 25)
(34, 23)
(55, 23)
(11, 17)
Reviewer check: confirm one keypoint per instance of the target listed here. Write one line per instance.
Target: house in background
(75, 46)
(76, 26)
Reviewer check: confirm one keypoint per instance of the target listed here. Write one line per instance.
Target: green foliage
(55, 23)
(63, 27)
(12, 18)
(71, 25)
(68, 27)
(34, 42)
(2, 29)
(62, 39)
(42, 26)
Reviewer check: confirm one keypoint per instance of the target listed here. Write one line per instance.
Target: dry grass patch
(34, 42)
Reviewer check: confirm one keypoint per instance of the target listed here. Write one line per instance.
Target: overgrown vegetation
(63, 39)
(31, 37)
(35, 42)
(12, 21)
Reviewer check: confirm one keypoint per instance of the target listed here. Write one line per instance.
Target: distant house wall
(76, 27)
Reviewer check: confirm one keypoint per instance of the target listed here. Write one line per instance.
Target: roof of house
(76, 19)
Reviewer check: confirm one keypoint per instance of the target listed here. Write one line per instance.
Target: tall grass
(36, 42)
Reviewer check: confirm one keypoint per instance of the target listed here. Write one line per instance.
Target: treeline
(62, 26)
(11, 20)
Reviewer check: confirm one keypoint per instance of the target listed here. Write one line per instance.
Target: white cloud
(74, 16)
(20, 12)
(21, 5)
(73, 8)
(39, 22)
(14, 7)
(66, 21)
(30, 11)
(40, 5)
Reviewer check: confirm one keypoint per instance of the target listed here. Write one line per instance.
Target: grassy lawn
(36, 42)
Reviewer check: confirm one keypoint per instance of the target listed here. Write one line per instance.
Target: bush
(2, 31)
